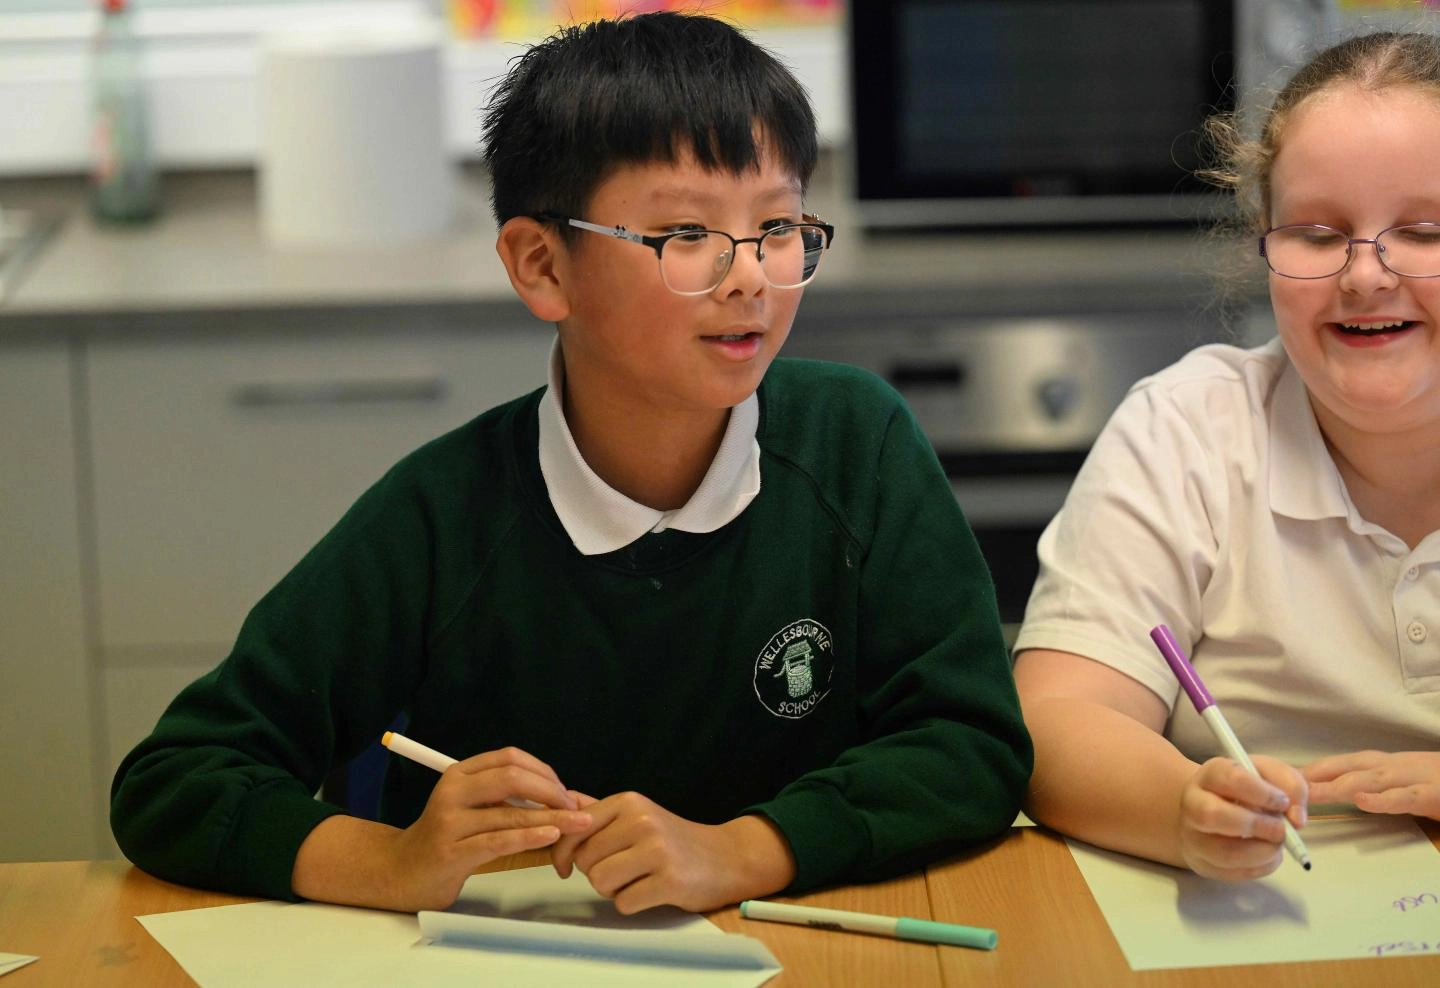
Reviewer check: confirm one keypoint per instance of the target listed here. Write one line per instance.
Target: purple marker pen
(1206, 707)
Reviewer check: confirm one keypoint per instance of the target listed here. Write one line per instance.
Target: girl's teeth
(1372, 325)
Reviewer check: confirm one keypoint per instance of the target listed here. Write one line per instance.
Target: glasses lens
(694, 263)
(1306, 251)
(1412, 250)
(791, 254)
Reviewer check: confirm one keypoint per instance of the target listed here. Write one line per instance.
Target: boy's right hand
(1231, 824)
(467, 823)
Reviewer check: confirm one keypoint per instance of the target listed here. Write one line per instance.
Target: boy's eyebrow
(689, 196)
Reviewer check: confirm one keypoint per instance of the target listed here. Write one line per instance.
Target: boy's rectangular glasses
(695, 262)
(1307, 250)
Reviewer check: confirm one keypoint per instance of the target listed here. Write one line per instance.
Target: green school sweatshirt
(831, 658)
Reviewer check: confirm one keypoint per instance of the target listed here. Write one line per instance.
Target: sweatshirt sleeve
(944, 758)
(221, 794)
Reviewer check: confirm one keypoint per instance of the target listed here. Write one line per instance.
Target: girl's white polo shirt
(1211, 504)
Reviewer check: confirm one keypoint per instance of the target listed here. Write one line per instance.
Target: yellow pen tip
(385, 738)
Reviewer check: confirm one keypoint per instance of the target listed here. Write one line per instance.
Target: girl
(1278, 508)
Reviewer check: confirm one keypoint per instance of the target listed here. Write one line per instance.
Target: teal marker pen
(900, 927)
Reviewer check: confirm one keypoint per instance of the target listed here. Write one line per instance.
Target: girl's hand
(1231, 824)
(642, 855)
(467, 823)
(1379, 782)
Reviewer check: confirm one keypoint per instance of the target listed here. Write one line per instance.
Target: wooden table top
(78, 917)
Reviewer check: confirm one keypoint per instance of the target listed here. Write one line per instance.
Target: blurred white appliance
(352, 137)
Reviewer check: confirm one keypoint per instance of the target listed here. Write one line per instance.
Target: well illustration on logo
(793, 670)
(797, 672)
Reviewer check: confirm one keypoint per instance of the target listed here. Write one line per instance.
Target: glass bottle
(123, 183)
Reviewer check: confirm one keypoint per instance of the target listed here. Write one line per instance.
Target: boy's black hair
(640, 89)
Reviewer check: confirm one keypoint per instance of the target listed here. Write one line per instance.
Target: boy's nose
(746, 273)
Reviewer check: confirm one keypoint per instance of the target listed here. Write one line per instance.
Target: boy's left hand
(642, 855)
(1379, 781)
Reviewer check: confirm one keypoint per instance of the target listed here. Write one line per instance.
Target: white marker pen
(430, 758)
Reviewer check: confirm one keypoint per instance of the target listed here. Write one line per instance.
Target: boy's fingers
(562, 856)
(637, 896)
(508, 756)
(485, 847)
(498, 783)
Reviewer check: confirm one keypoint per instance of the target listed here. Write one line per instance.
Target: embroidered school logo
(792, 673)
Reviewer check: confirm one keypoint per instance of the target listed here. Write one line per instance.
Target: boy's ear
(531, 253)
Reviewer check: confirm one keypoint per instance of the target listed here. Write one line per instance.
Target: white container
(352, 138)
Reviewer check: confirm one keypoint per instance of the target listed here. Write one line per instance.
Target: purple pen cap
(1181, 667)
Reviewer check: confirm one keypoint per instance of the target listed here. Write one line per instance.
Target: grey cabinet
(47, 685)
(209, 463)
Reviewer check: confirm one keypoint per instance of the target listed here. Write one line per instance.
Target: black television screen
(1043, 101)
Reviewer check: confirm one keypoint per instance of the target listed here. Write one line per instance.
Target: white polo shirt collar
(600, 519)
(1304, 482)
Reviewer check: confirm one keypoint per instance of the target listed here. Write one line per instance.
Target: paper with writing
(1374, 892)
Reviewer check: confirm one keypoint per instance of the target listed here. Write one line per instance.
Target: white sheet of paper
(523, 911)
(1374, 891)
(14, 962)
(278, 943)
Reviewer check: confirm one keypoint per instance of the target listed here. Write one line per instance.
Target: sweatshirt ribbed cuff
(270, 825)
(827, 840)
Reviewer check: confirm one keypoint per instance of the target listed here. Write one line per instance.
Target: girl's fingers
(1422, 799)
(1333, 766)
(1347, 776)
(1233, 783)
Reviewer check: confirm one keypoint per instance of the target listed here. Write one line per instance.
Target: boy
(752, 630)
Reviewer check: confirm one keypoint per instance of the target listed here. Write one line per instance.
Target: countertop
(206, 253)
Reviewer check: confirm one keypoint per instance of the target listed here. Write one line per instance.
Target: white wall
(201, 65)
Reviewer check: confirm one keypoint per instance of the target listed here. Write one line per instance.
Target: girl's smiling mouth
(1377, 327)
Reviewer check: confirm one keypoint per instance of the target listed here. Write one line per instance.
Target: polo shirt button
(1412, 573)
(1417, 632)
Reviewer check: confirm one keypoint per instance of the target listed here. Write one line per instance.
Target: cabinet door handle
(269, 394)
(931, 376)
